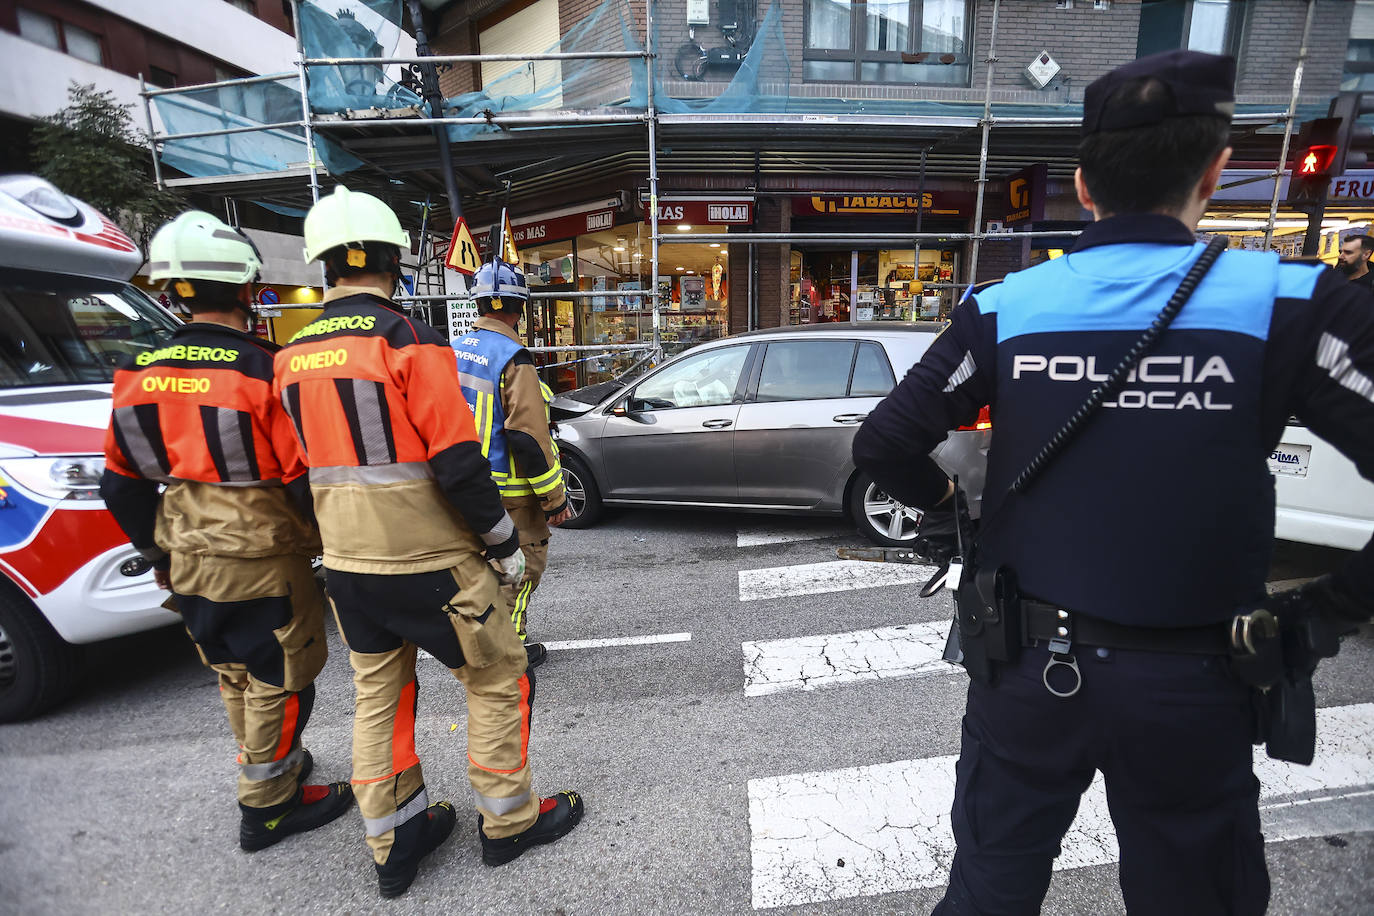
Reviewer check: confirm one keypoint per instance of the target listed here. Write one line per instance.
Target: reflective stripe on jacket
(510, 406)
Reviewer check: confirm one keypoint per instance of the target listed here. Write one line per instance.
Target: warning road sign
(462, 250)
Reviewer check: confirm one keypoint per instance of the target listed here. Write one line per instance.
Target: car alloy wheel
(888, 517)
(8, 666)
(574, 490)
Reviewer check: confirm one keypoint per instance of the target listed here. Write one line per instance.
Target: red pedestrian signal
(1316, 161)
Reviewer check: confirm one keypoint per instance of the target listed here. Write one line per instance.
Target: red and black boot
(558, 815)
(310, 807)
(414, 840)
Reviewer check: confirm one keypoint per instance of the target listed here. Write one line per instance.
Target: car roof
(847, 329)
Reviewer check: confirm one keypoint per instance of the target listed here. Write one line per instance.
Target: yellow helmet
(200, 246)
(350, 218)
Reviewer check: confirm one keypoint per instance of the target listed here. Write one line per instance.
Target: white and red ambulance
(67, 315)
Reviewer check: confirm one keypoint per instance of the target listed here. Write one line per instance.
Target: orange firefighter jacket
(399, 480)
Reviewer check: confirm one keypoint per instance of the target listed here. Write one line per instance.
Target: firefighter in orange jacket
(198, 415)
(411, 523)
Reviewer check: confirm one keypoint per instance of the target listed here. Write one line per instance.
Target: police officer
(510, 405)
(198, 415)
(410, 521)
(1145, 535)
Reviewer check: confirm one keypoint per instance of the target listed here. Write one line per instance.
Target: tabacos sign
(720, 211)
(931, 203)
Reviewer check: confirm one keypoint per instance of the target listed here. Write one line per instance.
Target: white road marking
(813, 662)
(800, 530)
(818, 578)
(889, 823)
(603, 643)
(623, 641)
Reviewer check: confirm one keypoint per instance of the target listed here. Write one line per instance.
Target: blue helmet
(498, 286)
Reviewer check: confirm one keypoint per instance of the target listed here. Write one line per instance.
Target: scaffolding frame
(652, 118)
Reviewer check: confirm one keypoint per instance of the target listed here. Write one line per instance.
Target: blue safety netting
(737, 66)
(354, 28)
(267, 149)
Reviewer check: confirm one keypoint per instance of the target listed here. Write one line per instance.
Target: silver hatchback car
(762, 422)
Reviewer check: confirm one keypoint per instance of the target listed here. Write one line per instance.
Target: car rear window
(872, 373)
(805, 370)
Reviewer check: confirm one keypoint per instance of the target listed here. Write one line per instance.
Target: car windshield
(57, 330)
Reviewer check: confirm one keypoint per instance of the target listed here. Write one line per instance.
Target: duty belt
(1044, 621)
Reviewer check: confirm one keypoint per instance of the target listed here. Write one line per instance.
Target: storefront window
(883, 291)
(694, 298)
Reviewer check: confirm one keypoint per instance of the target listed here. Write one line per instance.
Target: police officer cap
(1194, 84)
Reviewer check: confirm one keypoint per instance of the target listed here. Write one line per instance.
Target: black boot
(535, 653)
(558, 815)
(414, 840)
(310, 807)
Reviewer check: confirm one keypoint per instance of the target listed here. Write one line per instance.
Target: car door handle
(849, 417)
(716, 424)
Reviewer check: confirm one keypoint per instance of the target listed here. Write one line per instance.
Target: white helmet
(200, 246)
(350, 218)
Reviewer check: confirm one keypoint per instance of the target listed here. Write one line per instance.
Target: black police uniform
(1159, 514)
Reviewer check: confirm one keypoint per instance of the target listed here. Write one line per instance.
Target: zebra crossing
(884, 827)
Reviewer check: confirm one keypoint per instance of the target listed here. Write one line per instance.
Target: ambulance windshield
(58, 330)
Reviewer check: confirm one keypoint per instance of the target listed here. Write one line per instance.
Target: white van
(1322, 499)
(67, 315)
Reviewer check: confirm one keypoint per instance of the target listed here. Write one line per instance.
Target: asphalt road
(738, 764)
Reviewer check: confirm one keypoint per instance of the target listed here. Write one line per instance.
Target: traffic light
(1352, 138)
(1314, 158)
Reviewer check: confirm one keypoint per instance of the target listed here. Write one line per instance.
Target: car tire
(879, 517)
(38, 668)
(584, 497)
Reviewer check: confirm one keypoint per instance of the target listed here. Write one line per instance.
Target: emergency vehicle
(68, 315)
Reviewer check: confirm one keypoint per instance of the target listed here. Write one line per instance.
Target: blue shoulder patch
(1299, 281)
(1123, 287)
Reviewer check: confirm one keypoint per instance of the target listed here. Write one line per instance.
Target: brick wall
(1273, 35)
(997, 259)
(1084, 41)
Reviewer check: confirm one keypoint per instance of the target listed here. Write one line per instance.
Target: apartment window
(888, 41)
(1213, 26)
(41, 29)
(248, 6)
(162, 79)
(1359, 52)
(60, 36)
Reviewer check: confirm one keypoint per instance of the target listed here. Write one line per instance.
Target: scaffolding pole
(305, 120)
(152, 136)
(429, 81)
(983, 148)
(652, 114)
(1282, 165)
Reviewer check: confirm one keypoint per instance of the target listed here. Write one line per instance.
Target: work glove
(937, 539)
(510, 569)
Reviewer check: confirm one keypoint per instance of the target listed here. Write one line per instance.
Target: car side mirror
(631, 407)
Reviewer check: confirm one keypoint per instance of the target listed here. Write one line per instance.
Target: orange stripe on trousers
(403, 755)
(524, 729)
(288, 726)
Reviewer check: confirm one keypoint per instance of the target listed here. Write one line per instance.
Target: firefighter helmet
(498, 286)
(350, 218)
(199, 246)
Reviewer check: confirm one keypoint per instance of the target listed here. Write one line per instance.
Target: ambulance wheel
(879, 517)
(584, 498)
(37, 667)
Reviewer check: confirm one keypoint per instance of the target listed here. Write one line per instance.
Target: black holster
(1281, 670)
(988, 616)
